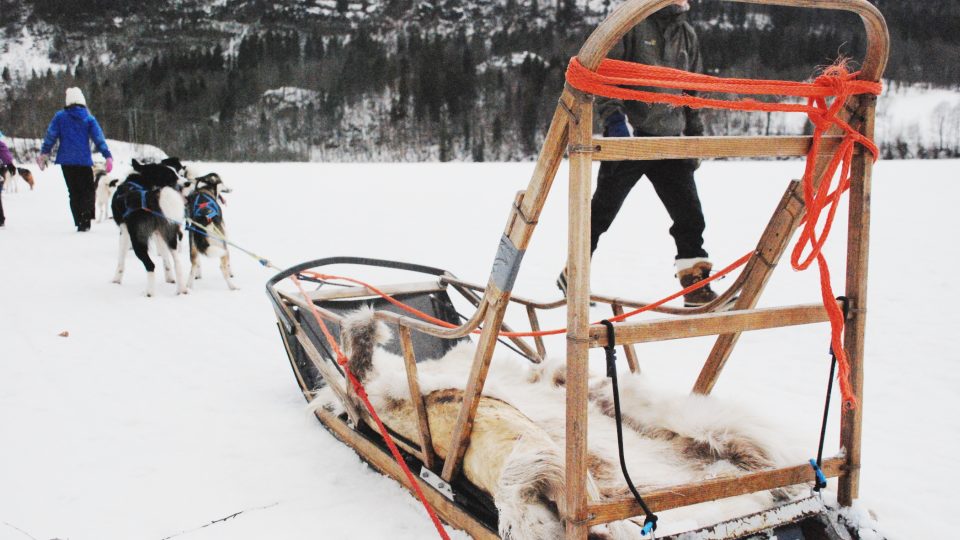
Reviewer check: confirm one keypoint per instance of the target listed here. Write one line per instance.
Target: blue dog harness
(205, 209)
(139, 194)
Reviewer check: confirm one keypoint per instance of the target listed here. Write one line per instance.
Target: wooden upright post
(578, 313)
(858, 241)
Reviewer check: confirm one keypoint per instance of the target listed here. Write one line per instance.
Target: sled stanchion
(416, 399)
(858, 247)
(578, 322)
(535, 327)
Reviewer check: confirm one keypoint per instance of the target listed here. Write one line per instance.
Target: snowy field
(159, 417)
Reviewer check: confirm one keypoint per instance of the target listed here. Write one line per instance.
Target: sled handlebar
(632, 12)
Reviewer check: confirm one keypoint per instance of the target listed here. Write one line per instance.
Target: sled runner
(442, 431)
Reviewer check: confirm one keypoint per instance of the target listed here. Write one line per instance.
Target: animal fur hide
(516, 447)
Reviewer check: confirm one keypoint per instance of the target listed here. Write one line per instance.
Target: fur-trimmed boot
(691, 271)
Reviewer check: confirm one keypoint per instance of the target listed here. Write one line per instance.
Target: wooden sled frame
(571, 132)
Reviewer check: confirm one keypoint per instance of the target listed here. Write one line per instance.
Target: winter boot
(562, 285)
(691, 271)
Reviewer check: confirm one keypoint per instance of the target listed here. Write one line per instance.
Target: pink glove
(42, 161)
(108, 166)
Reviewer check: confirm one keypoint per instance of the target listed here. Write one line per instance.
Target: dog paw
(116, 280)
(170, 280)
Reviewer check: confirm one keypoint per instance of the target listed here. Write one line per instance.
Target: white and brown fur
(515, 452)
(163, 202)
(105, 186)
(209, 186)
(11, 174)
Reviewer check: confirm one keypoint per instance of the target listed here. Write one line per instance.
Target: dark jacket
(75, 127)
(666, 40)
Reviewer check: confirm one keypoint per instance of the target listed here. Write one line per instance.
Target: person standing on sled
(75, 127)
(665, 39)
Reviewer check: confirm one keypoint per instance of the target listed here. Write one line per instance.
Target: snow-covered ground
(158, 416)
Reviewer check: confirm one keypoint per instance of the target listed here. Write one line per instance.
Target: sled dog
(147, 204)
(207, 228)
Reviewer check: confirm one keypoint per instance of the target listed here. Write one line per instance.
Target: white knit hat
(75, 97)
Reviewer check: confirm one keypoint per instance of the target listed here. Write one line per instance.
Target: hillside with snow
(410, 80)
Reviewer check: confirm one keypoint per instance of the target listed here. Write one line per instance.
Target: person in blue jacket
(75, 127)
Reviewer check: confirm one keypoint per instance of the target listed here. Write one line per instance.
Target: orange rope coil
(618, 79)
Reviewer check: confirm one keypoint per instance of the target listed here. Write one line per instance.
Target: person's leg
(88, 196)
(614, 183)
(72, 176)
(673, 181)
(3, 218)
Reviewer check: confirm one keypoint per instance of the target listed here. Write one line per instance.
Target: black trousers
(673, 181)
(2, 217)
(82, 192)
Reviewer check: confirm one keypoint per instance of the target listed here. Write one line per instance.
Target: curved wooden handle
(632, 12)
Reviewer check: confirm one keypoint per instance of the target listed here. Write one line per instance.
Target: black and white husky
(145, 206)
(208, 231)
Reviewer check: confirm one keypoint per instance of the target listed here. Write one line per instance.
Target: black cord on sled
(650, 523)
(821, 481)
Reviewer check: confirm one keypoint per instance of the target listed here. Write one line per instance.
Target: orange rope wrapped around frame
(616, 79)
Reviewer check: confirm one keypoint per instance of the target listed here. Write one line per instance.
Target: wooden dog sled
(463, 505)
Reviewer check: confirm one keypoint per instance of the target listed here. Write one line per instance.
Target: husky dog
(8, 177)
(105, 186)
(208, 231)
(145, 205)
(515, 450)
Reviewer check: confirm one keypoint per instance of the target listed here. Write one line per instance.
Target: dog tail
(26, 175)
(171, 204)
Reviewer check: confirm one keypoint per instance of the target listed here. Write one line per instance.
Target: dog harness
(137, 194)
(205, 209)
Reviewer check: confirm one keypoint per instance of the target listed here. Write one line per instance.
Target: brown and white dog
(515, 451)
(207, 228)
(11, 174)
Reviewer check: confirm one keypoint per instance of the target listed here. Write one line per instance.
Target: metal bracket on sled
(436, 482)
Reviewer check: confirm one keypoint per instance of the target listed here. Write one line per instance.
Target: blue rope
(821, 478)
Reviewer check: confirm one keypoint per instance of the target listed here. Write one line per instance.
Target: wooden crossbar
(711, 490)
(709, 324)
(650, 148)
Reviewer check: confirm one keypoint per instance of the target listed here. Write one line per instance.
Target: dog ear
(137, 166)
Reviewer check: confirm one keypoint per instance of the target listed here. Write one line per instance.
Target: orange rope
(440, 322)
(362, 394)
(612, 75)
